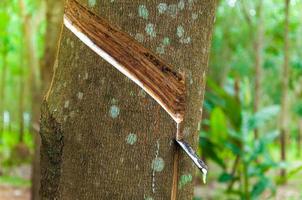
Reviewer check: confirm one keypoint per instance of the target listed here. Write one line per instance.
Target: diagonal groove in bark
(157, 78)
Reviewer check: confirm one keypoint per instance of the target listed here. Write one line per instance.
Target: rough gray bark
(102, 136)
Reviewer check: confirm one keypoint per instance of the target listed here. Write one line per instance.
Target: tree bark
(2, 89)
(285, 79)
(102, 136)
(299, 137)
(54, 13)
(258, 47)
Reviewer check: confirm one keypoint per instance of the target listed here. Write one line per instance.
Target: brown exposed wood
(157, 77)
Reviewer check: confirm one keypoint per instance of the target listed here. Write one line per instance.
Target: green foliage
(230, 137)
(14, 181)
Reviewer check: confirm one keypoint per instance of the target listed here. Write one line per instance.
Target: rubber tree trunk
(2, 89)
(285, 80)
(102, 136)
(258, 48)
(54, 13)
(299, 138)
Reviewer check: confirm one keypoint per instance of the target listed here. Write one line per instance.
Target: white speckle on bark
(142, 93)
(72, 44)
(180, 31)
(190, 76)
(160, 50)
(80, 95)
(66, 104)
(173, 10)
(194, 16)
(113, 101)
(86, 76)
(150, 30)
(181, 4)
(139, 37)
(187, 40)
(162, 7)
(72, 114)
(157, 165)
(186, 131)
(114, 111)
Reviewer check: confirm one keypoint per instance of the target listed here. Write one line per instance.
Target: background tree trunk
(54, 13)
(285, 79)
(258, 47)
(299, 137)
(102, 136)
(2, 89)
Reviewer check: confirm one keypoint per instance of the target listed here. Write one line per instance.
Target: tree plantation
(149, 99)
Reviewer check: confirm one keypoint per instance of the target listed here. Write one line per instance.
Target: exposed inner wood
(143, 67)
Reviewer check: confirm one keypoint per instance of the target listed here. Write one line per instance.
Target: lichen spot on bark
(181, 4)
(139, 37)
(160, 50)
(158, 164)
(91, 3)
(180, 31)
(173, 10)
(162, 7)
(166, 41)
(150, 30)
(86, 76)
(186, 131)
(131, 139)
(114, 111)
(66, 104)
(194, 16)
(143, 12)
(80, 95)
(148, 198)
(187, 40)
(142, 93)
(184, 180)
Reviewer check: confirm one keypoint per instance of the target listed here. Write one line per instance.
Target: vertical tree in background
(102, 136)
(24, 62)
(54, 13)
(258, 47)
(4, 51)
(258, 39)
(3, 64)
(285, 82)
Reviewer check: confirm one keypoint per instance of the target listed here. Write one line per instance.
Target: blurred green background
(252, 105)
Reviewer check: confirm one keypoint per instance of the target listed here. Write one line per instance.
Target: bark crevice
(51, 153)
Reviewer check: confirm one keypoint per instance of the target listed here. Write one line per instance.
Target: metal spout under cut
(197, 161)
